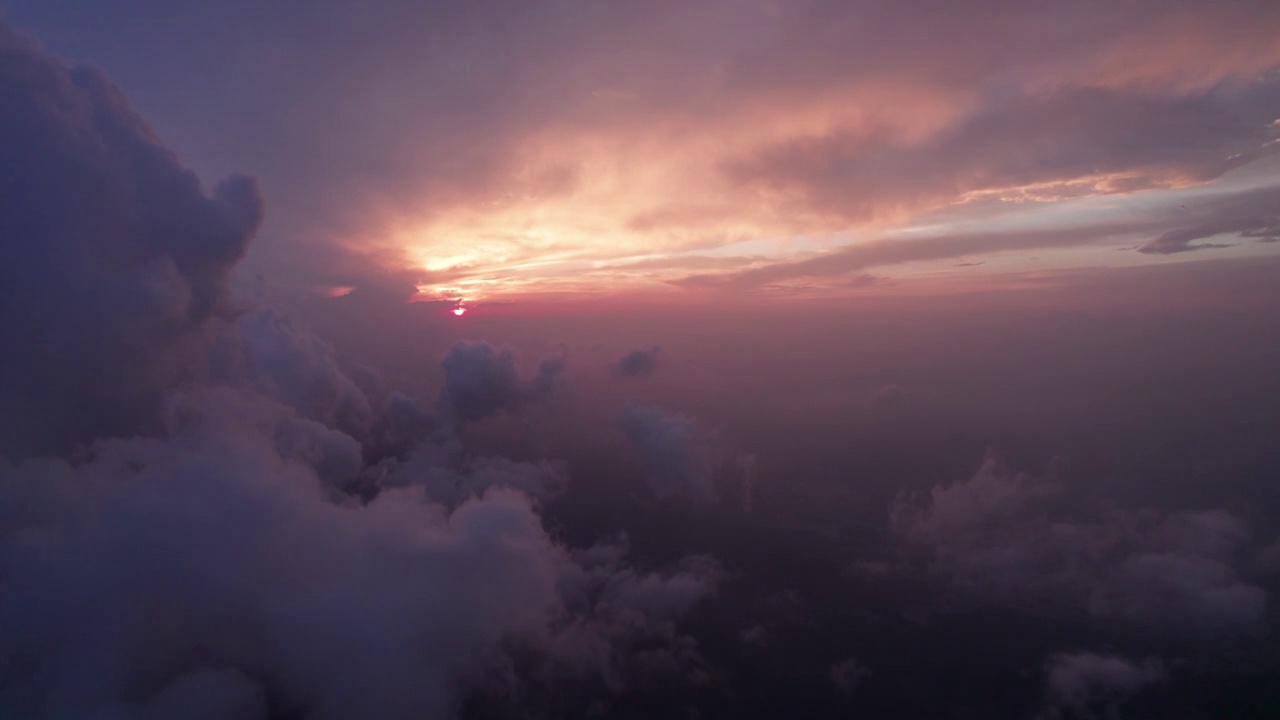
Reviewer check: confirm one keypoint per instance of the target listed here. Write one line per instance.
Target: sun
(459, 311)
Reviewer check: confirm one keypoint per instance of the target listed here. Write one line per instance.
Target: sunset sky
(501, 150)
(620, 360)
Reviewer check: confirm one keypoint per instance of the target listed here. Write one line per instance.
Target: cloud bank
(202, 514)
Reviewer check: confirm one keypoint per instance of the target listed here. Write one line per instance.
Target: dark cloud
(114, 263)
(481, 380)
(190, 528)
(640, 362)
(1081, 681)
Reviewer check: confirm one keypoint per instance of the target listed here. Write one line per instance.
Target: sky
(513, 360)
(499, 150)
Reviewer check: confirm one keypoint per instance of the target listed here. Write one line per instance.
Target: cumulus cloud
(1077, 682)
(190, 528)
(675, 461)
(264, 351)
(1010, 539)
(115, 261)
(214, 551)
(216, 565)
(481, 380)
(640, 362)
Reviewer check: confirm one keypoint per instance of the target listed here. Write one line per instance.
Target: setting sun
(459, 311)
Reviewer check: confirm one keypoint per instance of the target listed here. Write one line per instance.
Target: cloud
(1079, 681)
(481, 380)
(640, 362)
(1249, 215)
(297, 368)
(1071, 142)
(115, 262)
(692, 130)
(190, 528)
(217, 561)
(302, 593)
(1010, 539)
(676, 463)
(880, 253)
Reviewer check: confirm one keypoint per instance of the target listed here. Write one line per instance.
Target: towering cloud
(114, 261)
(178, 536)
(481, 380)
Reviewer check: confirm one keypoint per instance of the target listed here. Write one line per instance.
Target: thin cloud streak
(1244, 213)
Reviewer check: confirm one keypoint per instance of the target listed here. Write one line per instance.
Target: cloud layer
(206, 516)
(595, 146)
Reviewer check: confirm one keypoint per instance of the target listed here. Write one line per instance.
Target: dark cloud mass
(114, 262)
(191, 528)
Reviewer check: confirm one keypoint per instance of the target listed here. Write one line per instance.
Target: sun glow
(459, 311)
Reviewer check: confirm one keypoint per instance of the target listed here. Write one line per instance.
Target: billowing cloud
(296, 367)
(481, 380)
(174, 592)
(212, 551)
(115, 262)
(1008, 539)
(1080, 681)
(190, 528)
